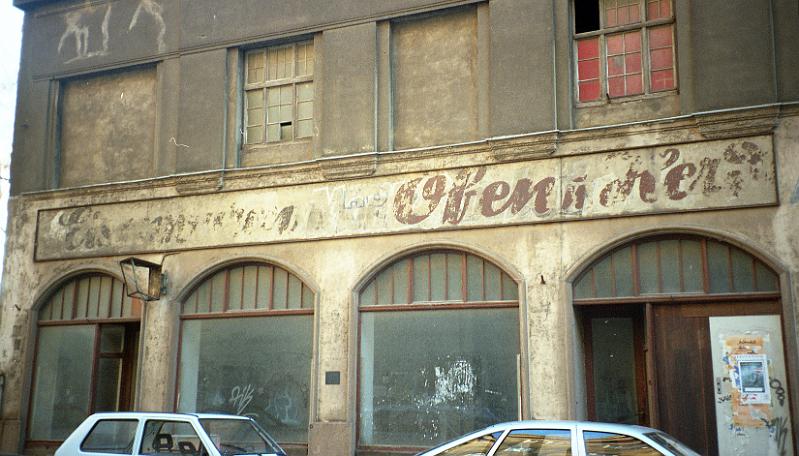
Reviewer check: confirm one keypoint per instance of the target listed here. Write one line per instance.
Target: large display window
(439, 345)
(246, 347)
(86, 355)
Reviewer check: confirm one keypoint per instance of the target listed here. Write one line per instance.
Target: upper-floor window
(279, 93)
(623, 48)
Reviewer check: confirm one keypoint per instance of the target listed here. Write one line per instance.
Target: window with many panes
(86, 355)
(426, 374)
(623, 48)
(279, 93)
(245, 348)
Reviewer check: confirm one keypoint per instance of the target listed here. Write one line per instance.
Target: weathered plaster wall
(542, 256)
(349, 84)
(435, 79)
(502, 56)
(730, 49)
(108, 128)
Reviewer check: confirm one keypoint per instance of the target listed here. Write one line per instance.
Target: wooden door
(684, 376)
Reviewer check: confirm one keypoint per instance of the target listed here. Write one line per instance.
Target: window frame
(644, 25)
(705, 295)
(433, 306)
(228, 313)
(128, 316)
(116, 420)
(293, 81)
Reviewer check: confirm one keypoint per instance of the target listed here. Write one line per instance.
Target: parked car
(562, 438)
(138, 433)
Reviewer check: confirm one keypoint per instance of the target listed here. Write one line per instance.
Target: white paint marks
(157, 12)
(78, 27)
(81, 26)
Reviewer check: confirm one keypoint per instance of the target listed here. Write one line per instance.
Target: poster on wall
(753, 376)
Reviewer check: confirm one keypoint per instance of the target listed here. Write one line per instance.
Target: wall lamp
(143, 279)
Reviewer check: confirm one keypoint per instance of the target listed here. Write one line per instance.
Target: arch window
(86, 355)
(674, 266)
(246, 345)
(426, 374)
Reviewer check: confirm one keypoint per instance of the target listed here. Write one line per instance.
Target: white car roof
(165, 415)
(565, 424)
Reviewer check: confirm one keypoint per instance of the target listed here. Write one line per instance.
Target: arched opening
(86, 355)
(669, 325)
(246, 348)
(427, 371)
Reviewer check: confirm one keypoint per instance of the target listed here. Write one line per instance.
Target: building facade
(384, 224)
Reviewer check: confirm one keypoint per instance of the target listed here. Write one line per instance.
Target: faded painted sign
(710, 175)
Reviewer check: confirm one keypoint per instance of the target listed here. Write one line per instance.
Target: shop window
(86, 355)
(426, 374)
(279, 93)
(669, 266)
(623, 48)
(246, 344)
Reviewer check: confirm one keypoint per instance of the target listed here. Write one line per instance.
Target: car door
(111, 437)
(171, 437)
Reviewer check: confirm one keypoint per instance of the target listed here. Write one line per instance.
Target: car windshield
(670, 443)
(237, 437)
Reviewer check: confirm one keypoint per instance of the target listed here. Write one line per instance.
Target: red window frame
(631, 54)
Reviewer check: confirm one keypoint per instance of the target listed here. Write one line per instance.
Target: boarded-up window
(435, 83)
(108, 127)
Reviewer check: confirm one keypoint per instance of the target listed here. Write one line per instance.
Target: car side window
(609, 444)
(478, 446)
(111, 436)
(536, 442)
(162, 438)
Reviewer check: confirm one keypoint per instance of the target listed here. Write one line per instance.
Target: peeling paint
(647, 181)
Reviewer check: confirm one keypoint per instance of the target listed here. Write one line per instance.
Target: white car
(161, 434)
(562, 438)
